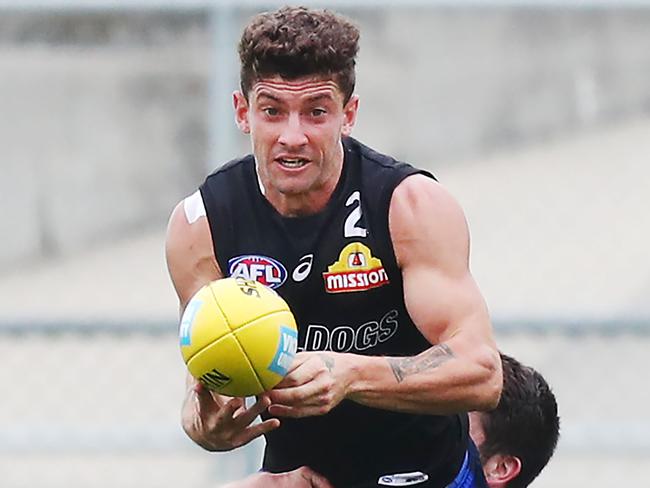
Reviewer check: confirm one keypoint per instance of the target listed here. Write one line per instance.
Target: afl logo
(262, 269)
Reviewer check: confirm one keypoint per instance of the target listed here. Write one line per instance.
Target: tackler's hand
(303, 477)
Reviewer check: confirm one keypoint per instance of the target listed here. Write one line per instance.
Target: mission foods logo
(355, 270)
(262, 269)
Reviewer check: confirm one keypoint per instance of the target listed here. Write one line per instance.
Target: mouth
(292, 163)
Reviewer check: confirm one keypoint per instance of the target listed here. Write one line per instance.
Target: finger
(228, 409)
(307, 394)
(197, 386)
(315, 479)
(299, 358)
(248, 415)
(319, 481)
(205, 399)
(304, 373)
(297, 412)
(262, 395)
(242, 409)
(255, 431)
(221, 400)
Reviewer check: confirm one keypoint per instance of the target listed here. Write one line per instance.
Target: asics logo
(303, 269)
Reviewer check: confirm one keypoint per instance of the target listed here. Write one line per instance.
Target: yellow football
(238, 337)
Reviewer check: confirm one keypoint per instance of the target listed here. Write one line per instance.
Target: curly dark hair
(294, 42)
(525, 423)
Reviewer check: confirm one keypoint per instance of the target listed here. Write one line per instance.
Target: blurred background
(535, 114)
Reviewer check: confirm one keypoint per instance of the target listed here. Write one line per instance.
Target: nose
(293, 134)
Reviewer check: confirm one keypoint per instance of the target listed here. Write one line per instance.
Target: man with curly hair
(372, 256)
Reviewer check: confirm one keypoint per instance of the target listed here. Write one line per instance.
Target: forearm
(446, 378)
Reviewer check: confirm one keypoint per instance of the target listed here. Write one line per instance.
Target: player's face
(296, 128)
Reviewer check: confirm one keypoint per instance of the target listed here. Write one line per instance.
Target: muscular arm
(188, 249)
(462, 370)
(213, 421)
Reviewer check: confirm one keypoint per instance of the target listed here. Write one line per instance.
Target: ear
(241, 112)
(350, 115)
(500, 469)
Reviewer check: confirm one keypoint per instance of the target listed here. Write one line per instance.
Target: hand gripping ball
(238, 337)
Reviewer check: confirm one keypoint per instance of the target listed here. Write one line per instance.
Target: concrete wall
(105, 116)
(103, 128)
(448, 84)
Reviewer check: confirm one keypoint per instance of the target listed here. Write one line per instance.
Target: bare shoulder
(188, 248)
(427, 222)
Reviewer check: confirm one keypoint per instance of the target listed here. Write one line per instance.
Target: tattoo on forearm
(429, 359)
(328, 360)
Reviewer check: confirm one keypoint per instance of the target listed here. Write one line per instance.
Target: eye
(318, 112)
(271, 111)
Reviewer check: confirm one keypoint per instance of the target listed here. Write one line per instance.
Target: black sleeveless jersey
(338, 272)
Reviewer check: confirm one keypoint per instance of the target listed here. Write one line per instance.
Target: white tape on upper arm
(194, 208)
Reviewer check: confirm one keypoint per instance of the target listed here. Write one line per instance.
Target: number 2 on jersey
(350, 229)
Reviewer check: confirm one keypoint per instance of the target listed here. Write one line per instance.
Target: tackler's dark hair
(525, 423)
